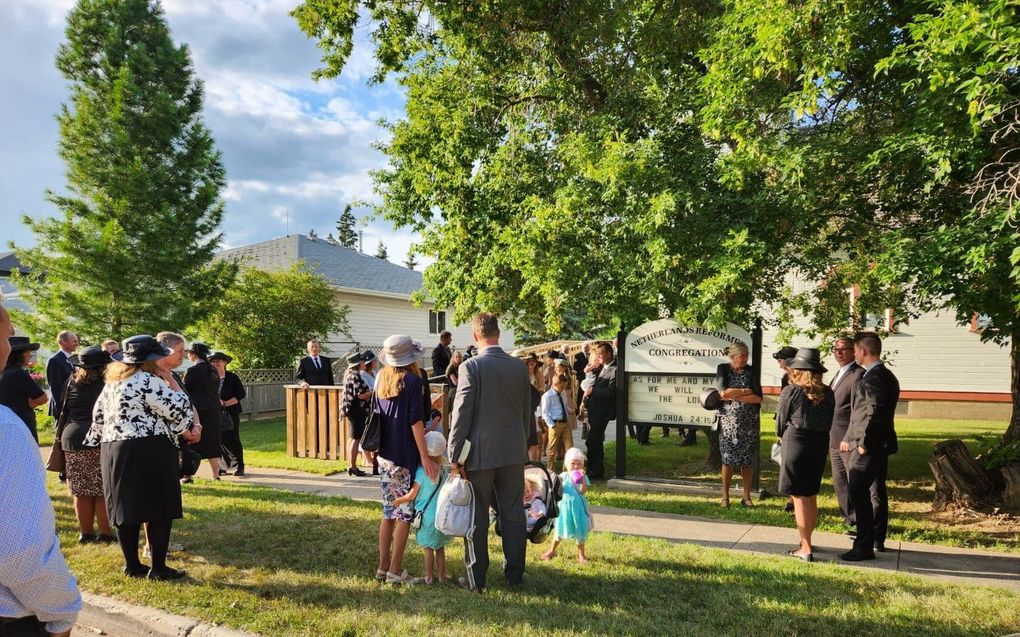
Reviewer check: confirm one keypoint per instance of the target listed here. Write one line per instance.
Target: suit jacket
(580, 362)
(843, 391)
(58, 371)
(872, 411)
(602, 401)
(492, 409)
(307, 372)
(441, 356)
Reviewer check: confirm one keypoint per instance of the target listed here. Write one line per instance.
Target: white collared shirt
(840, 373)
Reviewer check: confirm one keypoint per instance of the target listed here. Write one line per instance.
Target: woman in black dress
(137, 418)
(203, 386)
(803, 420)
(355, 405)
(231, 394)
(17, 389)
(84, 470)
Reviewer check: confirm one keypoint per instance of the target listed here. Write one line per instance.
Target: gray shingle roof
(9, 262)
(342, 266)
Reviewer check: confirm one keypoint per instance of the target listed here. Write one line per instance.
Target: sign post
(665, 367)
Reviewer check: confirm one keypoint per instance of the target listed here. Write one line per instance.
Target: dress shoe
(138, 570)
(356, 472)
(239, 473)
(804, 557)
(103, 538)
(880, 547)
(853, 555)
(223, 472)
(166, 574)
(86, 538)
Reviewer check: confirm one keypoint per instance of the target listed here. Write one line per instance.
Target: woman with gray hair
(739, 424)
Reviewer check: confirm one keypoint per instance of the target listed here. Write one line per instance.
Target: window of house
(437, 322)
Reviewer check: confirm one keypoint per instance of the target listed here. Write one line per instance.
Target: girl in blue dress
(574, 521)
(423, 493)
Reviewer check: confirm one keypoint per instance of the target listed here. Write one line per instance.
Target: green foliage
(346, 235)
(999, 454)
(132, 248)
(266, 318)
(411, 262)
(381, 252)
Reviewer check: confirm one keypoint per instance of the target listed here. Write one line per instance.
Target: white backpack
(455, 514)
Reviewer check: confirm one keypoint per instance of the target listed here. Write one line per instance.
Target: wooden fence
(315, 428)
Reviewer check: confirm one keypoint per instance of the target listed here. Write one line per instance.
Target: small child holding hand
(423, 492)
(573, 521)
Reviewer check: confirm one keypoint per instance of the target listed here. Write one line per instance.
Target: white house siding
(373, 318)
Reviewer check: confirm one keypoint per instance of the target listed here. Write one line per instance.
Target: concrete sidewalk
(938, 562)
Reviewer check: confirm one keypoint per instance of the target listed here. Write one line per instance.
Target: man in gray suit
(492, 411)
(842, 385)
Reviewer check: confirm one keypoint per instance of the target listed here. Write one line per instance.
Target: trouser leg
(508, 489)
(596, 451)
(860, 476)
(481, 482)
(838, 460)
(558, 435)
(880, 497)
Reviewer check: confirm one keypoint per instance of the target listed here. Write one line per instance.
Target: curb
(108, 616)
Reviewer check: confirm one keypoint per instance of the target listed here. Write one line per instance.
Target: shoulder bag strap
(58, 427)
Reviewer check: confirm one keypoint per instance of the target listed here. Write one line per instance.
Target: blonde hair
(736, 348)
(391, 380)
(117, 370)
(810, 382)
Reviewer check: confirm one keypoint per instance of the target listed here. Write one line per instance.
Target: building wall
(372, 319)
(929, 354)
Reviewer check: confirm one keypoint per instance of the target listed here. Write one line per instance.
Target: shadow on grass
(296, 564)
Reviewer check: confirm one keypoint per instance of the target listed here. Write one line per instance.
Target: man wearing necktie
(557, 418)
(314, 369)
(842, 385)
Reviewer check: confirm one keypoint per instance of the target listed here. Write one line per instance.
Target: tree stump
(1011, 494)
(960, 482)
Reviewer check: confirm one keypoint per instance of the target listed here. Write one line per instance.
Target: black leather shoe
(166, 574)
(103, 538)
(86, 538)
(141, 570)
(880, 547)
(239, 473)
(853, 555)
(356, 472)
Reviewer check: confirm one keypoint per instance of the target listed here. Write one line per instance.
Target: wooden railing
(315, 428)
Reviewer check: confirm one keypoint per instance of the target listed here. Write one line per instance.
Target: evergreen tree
(380, 251)
(346, 235)
(131, 250)
(331, 239)
(411, 262)
(312, 235)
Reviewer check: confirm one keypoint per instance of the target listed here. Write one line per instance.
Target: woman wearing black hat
(355, 406)
(17, 389)
(137, 418)
(203, 386)
(84, 472)
(803, 420)
(231, 394)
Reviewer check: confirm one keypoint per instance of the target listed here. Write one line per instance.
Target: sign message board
(668, 365)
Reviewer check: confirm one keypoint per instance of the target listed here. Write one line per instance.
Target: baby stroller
(550, 491)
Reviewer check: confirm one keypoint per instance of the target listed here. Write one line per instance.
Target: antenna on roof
(361, 240)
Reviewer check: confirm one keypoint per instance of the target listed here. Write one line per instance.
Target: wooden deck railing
(315, 428)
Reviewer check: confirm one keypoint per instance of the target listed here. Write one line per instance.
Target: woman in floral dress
(739, 424)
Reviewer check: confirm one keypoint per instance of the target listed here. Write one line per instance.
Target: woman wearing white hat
(402, 450)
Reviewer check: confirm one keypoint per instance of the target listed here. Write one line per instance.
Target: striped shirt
(34, 578)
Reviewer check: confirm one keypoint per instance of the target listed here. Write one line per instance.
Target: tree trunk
(714, 459)
(960, 482)
(1013, 431)
(1011, 494)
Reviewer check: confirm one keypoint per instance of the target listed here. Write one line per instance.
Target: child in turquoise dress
(423, 492)
(573, 521)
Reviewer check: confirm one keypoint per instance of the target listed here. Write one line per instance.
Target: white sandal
(402, 579)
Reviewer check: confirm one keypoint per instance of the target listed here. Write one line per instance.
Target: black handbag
(226, 421)
(371, 439)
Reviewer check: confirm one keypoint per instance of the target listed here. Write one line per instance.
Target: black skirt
(803, 462)
(140, 480)
(356, 422)
(209, 445)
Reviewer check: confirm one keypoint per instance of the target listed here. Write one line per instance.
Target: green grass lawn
(265, 445)
(911, 485)
(287, 564)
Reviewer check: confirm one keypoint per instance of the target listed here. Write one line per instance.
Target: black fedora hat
(354, 360)
(142, 348)
(220, 356)
(808, 358)
(201, 349)
(710, 398)
(785, 352)
(92, 357)
(22, 343)
(368, 356)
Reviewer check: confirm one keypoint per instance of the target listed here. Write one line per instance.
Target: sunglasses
(843, 349)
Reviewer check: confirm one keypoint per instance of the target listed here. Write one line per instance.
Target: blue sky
(293, 148)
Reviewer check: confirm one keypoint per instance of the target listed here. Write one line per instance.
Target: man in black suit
(59, 370)
(870, 439)
(314, 369)
(842, 385)
(441, 354)
(600, 401)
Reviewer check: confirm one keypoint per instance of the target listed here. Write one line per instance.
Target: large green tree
(132, 247)
(346, 234)
(257, 321)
